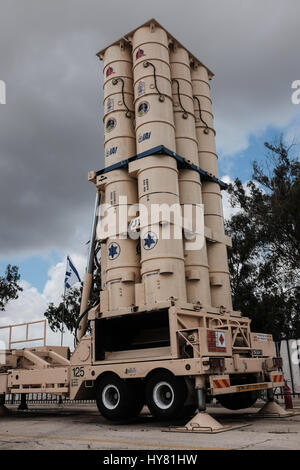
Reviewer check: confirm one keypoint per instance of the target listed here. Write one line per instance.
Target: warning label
(216, 341)
(262, 337)
(220, 339)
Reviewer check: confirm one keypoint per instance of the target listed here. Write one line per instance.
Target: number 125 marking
(78, 371)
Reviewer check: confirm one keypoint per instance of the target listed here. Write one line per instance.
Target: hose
(185, 113)
(161, 96)
(115, 82)
(80, 318)
(206, 130)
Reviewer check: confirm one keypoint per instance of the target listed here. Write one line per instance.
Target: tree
(265, 259)
(66, 313)
(9, 287)
(68, 310)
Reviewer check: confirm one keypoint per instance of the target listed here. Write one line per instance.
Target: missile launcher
(164, 332)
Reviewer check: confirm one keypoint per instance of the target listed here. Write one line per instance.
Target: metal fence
(43, 398)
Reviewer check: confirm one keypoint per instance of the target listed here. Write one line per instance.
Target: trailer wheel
(165, 395)
(238, 401)
(119, 399)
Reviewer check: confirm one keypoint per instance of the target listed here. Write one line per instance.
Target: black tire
(238, 401)
(119, 399)
(165, 395)
(188, 411)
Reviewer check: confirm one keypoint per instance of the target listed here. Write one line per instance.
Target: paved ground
(81, 427)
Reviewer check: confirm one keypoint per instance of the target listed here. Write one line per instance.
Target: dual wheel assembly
(164, 394)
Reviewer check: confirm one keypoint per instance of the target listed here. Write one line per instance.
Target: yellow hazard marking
(106, 441)
(277, 378)
(221, 383)
(245, 388)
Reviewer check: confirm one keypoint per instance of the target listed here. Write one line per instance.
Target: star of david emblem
(150, 240)
(113, 250)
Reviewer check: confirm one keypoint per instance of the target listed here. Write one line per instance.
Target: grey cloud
(51, 127)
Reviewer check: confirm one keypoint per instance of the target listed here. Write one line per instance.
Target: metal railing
(27, 339)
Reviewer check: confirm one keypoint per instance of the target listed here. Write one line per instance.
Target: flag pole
(71, 278)
(64, 307)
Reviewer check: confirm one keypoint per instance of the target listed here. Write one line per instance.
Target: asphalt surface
(81, 427)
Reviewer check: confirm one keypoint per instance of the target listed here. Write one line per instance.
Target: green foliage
(67, 312)
(265, 259)
(9, 287)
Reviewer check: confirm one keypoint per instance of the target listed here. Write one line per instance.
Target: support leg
(270, 394)
(202, 420)
(23, 405)
(201, 399)
(271, 408)
(3, 409)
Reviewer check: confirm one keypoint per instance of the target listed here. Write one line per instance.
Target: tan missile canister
(208, 159)
(196, 265)
(121, 273)
(121, 254)
(121, 257)
(119, 131)
(157, 180)
(195, 252)
(183, 104)
(152, 89)
(211, 193)
(162, 259)
(162, 265)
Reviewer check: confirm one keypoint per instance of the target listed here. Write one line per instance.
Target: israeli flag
(72, 276)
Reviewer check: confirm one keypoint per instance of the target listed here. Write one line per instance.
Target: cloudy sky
(51, 131)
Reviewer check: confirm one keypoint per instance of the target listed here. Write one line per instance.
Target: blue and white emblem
(150, 240)
(113, 250)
